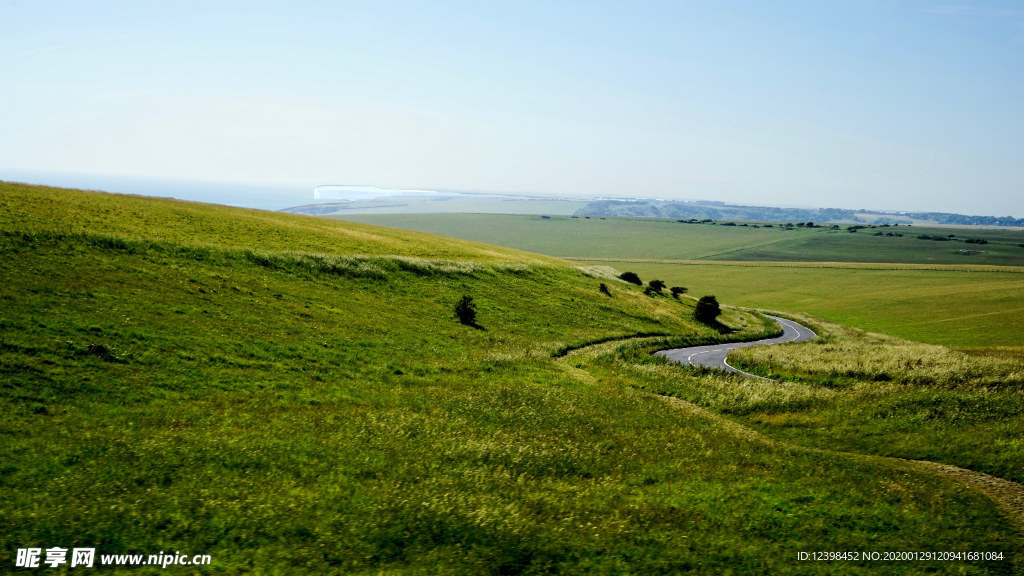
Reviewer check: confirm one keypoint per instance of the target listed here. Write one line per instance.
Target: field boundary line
(742, 248)
(814, 265)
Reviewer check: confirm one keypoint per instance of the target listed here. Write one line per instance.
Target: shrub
(604, 289)
(656, 285)
(631, 277)
(465, 311)
(677, 290)
(707, 310)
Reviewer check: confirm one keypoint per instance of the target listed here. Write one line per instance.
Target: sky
(891, 105)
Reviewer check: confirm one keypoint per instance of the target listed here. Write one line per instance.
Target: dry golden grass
(844, 352)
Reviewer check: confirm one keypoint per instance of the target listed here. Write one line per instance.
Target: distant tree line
(947, 218)
(710, 211)
(705, 212)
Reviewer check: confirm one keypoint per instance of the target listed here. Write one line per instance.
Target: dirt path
(1008, 495)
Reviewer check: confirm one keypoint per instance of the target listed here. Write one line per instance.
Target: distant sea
(260, 196)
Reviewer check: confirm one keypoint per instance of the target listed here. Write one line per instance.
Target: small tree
(707, 310)
(677, 290)
(631, 277)
(465, 311)
(656, 285)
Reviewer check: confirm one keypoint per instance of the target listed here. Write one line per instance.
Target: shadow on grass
(719, 327)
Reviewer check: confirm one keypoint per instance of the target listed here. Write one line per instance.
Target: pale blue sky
(894, 105)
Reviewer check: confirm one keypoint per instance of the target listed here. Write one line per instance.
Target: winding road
(714, 355)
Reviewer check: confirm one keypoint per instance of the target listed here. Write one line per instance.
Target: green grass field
(1002, 247)
(952, 307)
(628, 238)
(940, 297)
(864, 392)
(860, 392)
(293, 395)
(585, 237)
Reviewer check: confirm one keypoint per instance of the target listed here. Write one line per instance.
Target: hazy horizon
(283, 196)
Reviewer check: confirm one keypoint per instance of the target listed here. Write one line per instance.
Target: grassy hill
(922, 289)
(980, 309)
(293, 395)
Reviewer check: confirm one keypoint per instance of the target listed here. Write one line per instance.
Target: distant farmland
(627, 238)
(951, 306)
(923, 289)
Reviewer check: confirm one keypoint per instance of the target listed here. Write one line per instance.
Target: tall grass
(862, 392)
(851, 355)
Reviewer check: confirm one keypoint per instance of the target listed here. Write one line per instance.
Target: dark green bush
(707, 310)
(465, 311)
(631, 277)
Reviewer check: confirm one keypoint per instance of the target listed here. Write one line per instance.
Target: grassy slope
(953, 306)
(55, 209)
(873, 394)
(167, 387)
(867, 392)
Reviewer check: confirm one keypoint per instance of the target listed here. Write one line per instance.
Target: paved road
(713, 356)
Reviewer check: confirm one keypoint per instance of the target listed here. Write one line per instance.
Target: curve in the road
(714, 355)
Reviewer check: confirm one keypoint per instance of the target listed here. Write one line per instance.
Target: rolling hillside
(294, 395)
(884, 279)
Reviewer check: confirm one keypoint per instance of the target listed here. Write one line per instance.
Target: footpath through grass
(207, 381)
